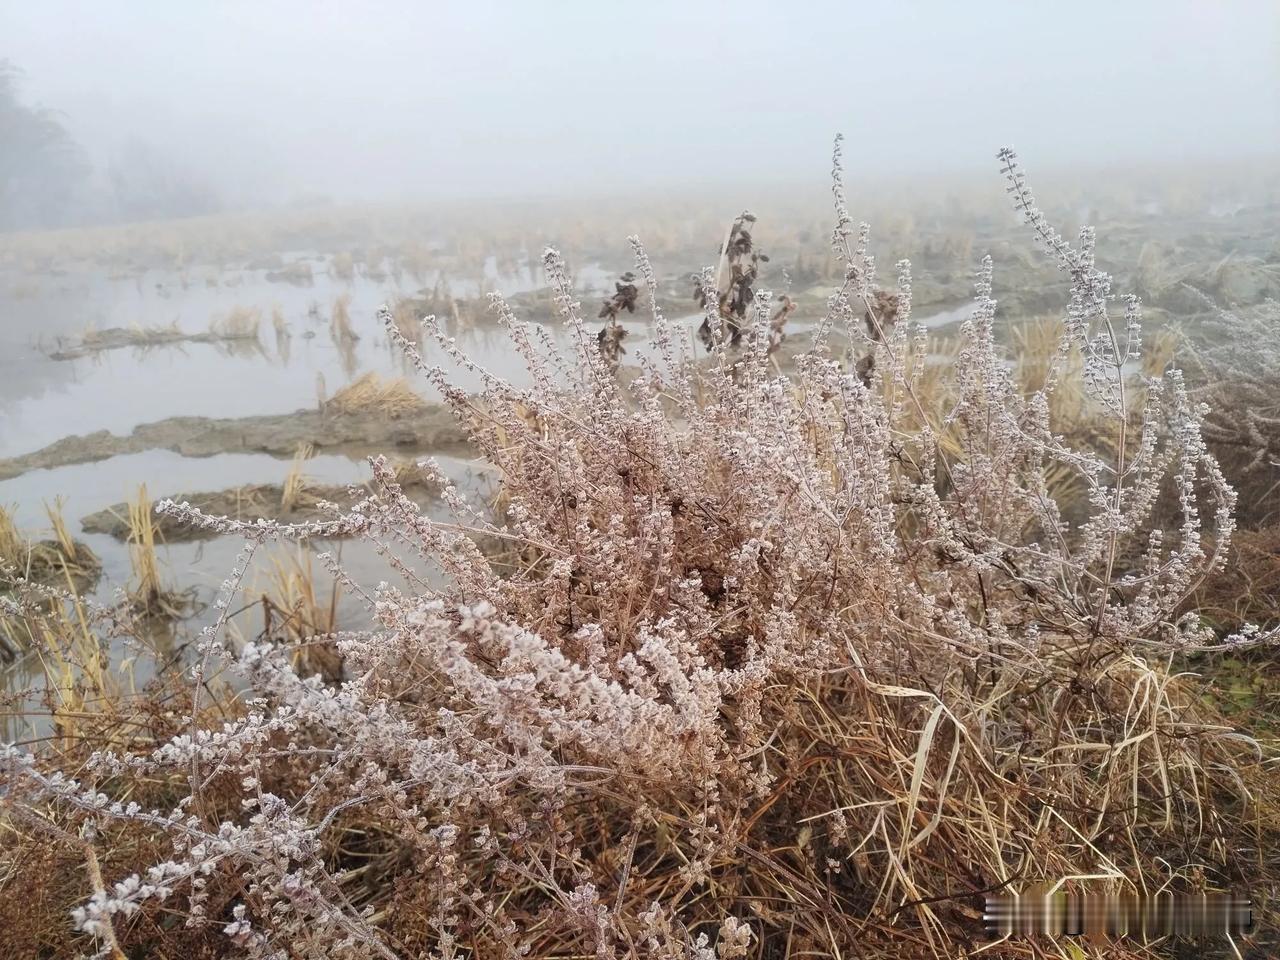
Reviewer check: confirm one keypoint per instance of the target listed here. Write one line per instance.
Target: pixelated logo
(1117, 915)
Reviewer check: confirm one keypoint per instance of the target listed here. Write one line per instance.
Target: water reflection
(42, 400)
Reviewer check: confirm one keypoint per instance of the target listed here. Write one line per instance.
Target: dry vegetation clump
(147, 592)
(241, 323)
(343, 334)
(419, 476)
(284, 338)
(79, 702)
(296, 481)
(298, 273)
(371, 393)
(56, 626)
(278, 322)
(373, 267)
(343, 266)
(1236, 358)
(248, 501)
(791, 666)
(298, 500)
(297, 616)
(438, 302)
(113, 338)
(46, 561)
(407, 314)
(417, 259)
(340, 323)
(1247, 590)
(62, 562)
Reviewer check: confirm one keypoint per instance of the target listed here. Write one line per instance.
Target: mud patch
(119, 338)
(431, 427)
(251, 502)
(52, 562)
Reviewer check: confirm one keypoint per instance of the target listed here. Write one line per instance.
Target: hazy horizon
(383, 102)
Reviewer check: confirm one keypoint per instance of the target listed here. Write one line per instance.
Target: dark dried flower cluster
(882, 310)
(624, 298)
(726, 304)
(613, 333)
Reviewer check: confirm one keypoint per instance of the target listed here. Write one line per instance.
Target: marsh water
(42, 399)
(51, 394)
(285, 368)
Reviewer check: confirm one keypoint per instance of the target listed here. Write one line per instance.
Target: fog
(280, 102)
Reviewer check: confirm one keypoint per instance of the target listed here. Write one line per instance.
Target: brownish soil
(45, 561)
(117, 338)
(250, 502)
(431, 428)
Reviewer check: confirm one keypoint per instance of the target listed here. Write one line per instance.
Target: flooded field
(88, 357)
(278, 368)
(231, 379)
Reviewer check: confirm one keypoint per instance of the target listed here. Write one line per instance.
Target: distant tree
(41, 166)
(149, 185)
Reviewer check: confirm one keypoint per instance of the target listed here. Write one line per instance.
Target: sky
(379, 100)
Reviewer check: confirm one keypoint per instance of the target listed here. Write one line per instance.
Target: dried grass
(340, 323)
(1236, 359)
(115, 338)
(298, 273)
(407, 314)
(136, 336)
(241, 323)
(295, 482)
(148, 593)
(295, 613)
(342, 265)
(1039, 348)
(46, 561)
(278, 322)
(1247, 589)
(371, 394)
(13, 546)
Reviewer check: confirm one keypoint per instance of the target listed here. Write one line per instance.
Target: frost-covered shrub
(769, 662)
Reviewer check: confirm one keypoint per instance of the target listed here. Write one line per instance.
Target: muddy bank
(118, 338)
(358, 434)
(268, 501)
(51, 561)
